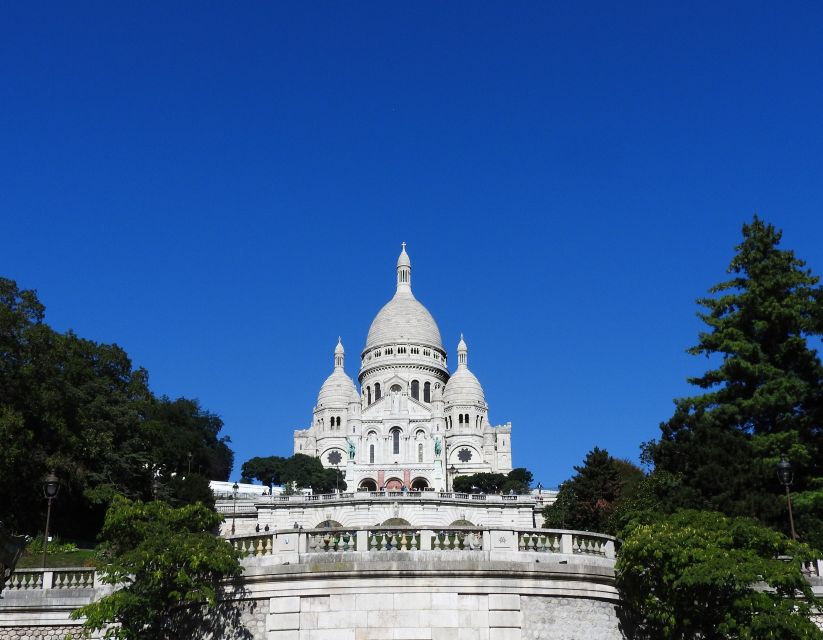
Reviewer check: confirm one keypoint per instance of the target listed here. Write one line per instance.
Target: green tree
(300, 470)
(168, 568)
(762, 396)
(82, 409)
(589, 499)
(697, 574)
(517, 480)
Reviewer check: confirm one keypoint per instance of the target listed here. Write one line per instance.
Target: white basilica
(412, 425)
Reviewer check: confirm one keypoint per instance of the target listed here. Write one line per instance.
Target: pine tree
(762, 398)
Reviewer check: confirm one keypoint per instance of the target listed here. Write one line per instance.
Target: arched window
(460, 418)
(420, 452)
(338, 421)
(395, 441)
(415, 390)
(427, 392)
(376, 391)
(371, 454)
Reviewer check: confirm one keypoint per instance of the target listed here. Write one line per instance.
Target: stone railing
(37, 579)
(366, 540)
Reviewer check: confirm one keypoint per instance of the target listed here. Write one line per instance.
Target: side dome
(463, 387)
(338, 390)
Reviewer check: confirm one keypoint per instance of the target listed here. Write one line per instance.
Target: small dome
(463, 388)
(337, 391)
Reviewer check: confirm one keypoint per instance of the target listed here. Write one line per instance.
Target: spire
(462, 353)
(403, 270)
(338, 354)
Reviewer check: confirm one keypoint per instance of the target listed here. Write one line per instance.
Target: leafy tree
(166, 564)
(517, 480)
(82, 409)
(589, 499)
(762, 396)
(300, 470)
(702, 575)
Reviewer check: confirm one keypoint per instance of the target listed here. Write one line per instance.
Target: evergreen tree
(588, 500)
(763, 396)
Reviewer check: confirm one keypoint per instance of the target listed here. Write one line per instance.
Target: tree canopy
(299, 470)
(762, 396)
(81, 408)
(699, 574)
(166, 564)
(517, 480)
(589, 499)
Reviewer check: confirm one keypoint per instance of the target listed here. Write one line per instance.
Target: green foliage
(299, 470)
(589, 500)
(168, 565)
(80, 408)
(699, 574)
(517, 480)
(35, 546)
(762, 396)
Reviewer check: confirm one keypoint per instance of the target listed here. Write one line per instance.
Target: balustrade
(332, 540)
(72, 579)
(254, 545)
(457, 540)
(538, 541)
(394, 540)
(588, 545)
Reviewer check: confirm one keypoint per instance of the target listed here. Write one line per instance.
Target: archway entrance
(420, 484)
(394, 484)
(368, 484)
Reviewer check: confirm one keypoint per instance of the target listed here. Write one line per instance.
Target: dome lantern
(339, 353)
(403, 270)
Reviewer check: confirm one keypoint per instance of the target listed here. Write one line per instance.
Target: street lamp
(336, 477)
(51, 487)
(452, 471)
(234, 489)
(784, 474)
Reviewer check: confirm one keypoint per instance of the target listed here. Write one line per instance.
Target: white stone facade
(412, 424)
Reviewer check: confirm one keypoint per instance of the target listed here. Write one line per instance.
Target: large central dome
(403, 319)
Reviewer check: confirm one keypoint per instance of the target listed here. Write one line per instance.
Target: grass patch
(79, 558)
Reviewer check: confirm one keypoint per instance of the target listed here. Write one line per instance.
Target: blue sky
(222, 189)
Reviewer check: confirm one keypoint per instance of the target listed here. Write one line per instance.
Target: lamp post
(336, 477)
(784, 474)
(51, 487)
(234, 489)
(452, 470)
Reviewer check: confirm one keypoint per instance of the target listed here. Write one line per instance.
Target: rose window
(335, 457)
(464, 455)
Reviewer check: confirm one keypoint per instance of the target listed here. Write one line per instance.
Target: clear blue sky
(222, 189)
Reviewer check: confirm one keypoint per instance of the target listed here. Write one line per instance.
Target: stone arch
(396, 522)
(368, 484)
(420, 484)
(329, 524)
(394, 484)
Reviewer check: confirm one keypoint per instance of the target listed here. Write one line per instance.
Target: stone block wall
(38, 633)
(438, 616)
(568, 619)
